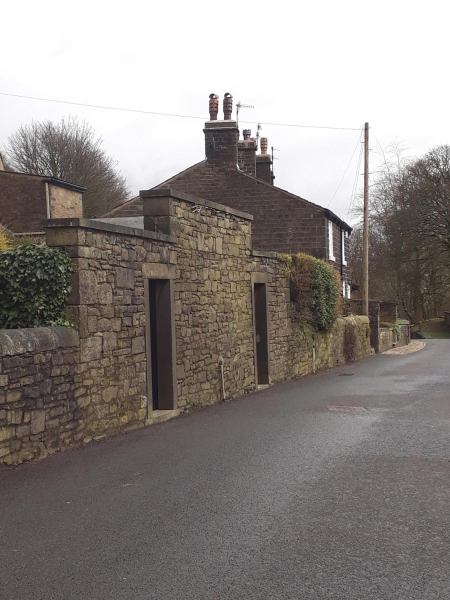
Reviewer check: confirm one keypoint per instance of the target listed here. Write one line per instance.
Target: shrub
(34, 285)
(6, 238)
(315, 290)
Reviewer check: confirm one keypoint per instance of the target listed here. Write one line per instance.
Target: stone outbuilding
(170, 310)
(26, 199)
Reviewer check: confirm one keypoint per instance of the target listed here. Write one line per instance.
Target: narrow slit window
(330, 241)
(344, 259)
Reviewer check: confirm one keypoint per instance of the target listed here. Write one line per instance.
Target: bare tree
(409, 233)
(69, 150)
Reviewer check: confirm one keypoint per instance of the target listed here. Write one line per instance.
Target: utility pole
(365, 290)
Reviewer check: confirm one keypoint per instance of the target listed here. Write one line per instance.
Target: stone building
(25, 200)
(170, 310)
(234, 174)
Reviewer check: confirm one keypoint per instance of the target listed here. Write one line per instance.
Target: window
(330, 241)
(343, 236)
(349, 290)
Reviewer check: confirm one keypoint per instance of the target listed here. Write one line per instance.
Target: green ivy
(315, 289)
(34, 285)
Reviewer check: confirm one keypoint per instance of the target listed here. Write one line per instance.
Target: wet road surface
(272, 496)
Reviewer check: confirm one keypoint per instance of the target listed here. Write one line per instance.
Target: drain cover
(348, 410)
(345, 374)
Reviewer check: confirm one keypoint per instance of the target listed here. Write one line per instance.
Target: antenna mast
(239, 105)
(274, 159)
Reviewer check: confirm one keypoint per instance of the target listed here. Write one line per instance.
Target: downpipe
(222, 378)
(314, 355)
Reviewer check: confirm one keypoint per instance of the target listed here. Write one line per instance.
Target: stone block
(105, 295)
(125, 278)
(4, 451)
(37, 421)
(4, 380)
(14, 417)
(13, 396)
(7, 433)
(109, 394)
(109, 341)
(87, 287)
(138, 345)
(91, 349)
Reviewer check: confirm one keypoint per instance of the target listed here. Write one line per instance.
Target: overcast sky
(335, 64)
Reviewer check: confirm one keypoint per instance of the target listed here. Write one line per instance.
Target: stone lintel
(172, 193)
(259, 277)
(158, 271)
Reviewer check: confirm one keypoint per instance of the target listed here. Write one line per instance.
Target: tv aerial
(239, 105)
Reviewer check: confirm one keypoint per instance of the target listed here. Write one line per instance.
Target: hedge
(34, 285)
(315, 290)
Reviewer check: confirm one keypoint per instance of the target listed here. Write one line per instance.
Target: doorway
(261, 333)
(160, 345)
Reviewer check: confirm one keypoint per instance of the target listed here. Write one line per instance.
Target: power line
(355, 183)
(161, 114)
(345, 172)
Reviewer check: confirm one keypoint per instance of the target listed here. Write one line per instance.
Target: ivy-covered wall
(35, 281)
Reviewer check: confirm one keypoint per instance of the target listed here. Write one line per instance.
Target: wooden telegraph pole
(365, 290)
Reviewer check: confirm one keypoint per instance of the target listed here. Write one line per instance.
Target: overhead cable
(161, 114)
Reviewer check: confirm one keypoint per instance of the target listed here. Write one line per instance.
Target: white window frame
(343, 236)
(330, 241)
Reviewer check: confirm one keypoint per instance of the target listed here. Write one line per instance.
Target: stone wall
(39, 392)
(386, 338)
(355, 307)
(404, 337)
(98, 384)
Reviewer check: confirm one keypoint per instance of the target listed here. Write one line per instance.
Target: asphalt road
(272, 496)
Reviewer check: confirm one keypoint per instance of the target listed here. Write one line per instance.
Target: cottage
(233, 174)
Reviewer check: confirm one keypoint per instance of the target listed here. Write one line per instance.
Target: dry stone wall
(91, 380)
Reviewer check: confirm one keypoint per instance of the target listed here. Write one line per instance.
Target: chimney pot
(247, 133)
(213, 107)
(264, 145)
(227, 106)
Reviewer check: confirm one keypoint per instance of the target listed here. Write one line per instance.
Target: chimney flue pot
(227, 106)
(213, 107)
(247, 133)
(264, 145)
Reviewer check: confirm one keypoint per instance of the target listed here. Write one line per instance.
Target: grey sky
(322, 63)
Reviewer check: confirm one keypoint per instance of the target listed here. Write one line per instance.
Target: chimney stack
(264, 163)
(247, 153)
(227, 106)
(221, 137)
(213, 107)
